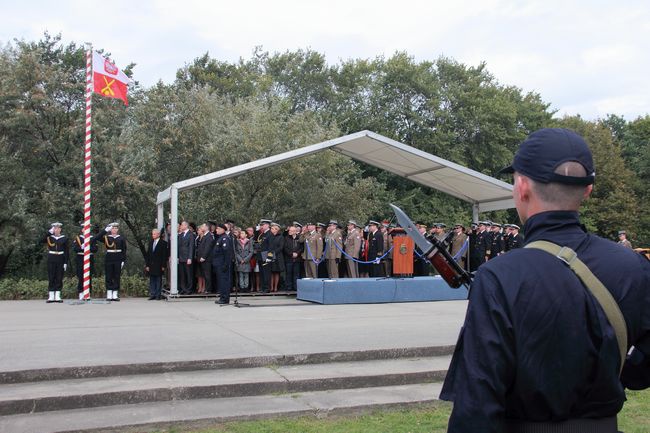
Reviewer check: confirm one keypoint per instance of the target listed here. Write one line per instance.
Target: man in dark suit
(185, 255)
(375, 248)
(155, 263)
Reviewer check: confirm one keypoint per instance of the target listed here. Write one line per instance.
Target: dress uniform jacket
(332, 240)
(497, 246)
(352, 246)
(57, 256)
(536, 345)
(313, 246)
(515, 241)
(115, 247)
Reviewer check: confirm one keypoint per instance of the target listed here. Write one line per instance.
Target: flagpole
(87, 166)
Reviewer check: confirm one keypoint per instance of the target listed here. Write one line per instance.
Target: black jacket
(536, 345)
(156, 260)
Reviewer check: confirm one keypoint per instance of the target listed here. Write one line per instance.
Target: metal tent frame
(483, 192)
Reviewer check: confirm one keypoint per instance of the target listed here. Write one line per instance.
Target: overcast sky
(584, 57)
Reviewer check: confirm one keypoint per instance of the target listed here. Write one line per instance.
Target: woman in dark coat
(277, 246)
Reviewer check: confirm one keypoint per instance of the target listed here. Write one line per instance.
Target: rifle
(435, 252)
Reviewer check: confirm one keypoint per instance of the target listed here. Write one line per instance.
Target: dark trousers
(376, 270)
(79, 261)
(55, 274)
(223, 274)
(185, 278)
(155, 285)
(113, 272)
(265, 275)
(292, 270)
(206, 272)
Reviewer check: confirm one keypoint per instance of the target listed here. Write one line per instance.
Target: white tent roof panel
(390, 155)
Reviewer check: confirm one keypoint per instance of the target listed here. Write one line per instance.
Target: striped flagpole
(87, 161)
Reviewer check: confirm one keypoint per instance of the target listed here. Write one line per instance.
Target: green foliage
(20, 289)
(219, 114)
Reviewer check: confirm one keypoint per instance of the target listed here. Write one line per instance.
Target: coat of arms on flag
(108, 80)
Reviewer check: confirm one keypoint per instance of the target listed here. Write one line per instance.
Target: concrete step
(56, 395)
(90, 371)
(146, 417)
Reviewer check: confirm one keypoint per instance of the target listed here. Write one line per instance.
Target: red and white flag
(108, 80)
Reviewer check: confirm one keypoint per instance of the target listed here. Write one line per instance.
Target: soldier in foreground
(538, 352)
(57, 261)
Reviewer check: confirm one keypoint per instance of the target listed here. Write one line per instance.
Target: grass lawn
(635, 418)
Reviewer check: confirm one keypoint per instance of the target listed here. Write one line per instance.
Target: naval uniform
(375, 251)
(113, 261)
(57, 257)
(78, 248)
(536, 346)
(497, 246)
(222, 258)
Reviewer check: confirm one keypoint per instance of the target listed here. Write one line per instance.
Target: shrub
(26, 288)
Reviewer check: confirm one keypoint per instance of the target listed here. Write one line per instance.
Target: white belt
(58, 253)
(113, 251)
(81, 254)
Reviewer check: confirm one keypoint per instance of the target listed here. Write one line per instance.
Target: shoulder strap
(597, 289)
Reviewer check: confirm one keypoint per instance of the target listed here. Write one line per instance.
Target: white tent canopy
(485, 193)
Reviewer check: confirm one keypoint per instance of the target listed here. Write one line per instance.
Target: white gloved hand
(65, 267)
(122, 265)
(377, 261)
(51, 230)
(108, 228)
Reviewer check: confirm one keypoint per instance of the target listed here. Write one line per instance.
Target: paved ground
(34, 334)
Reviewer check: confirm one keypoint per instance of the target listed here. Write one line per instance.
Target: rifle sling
(597, 289)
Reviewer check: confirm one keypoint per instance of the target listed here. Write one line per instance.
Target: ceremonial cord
(361, 261)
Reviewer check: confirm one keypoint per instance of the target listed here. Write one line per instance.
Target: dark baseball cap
(544, 150)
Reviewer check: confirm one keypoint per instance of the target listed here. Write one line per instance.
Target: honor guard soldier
(352, 248)
(545, 346)
(78, 248)
(334, 245)
(375, 248)
(222, 258)
(313, 251)
(115, 258)
(456, 246)
(57, 261)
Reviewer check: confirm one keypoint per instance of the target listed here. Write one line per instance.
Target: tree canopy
(218, 114)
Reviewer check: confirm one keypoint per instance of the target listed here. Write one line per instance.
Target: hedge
(25, 288)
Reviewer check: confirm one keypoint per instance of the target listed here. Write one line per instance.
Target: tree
(612, 204)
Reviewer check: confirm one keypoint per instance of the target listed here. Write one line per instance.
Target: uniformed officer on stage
(57, 261)
(497, 246)
(375, 248)
(313, 251)
(222, 259)
(538, 351)
(352, 248)
(334, 245)
(78, 248)
(114, 260)
(479, 247)
(515, 239)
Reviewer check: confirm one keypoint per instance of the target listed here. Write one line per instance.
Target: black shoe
(115, 299)
(220, 302)
(152, 298)
(159, 298)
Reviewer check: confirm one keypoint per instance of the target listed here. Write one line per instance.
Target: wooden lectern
(402, 254)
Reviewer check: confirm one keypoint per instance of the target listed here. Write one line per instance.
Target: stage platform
(377, 290)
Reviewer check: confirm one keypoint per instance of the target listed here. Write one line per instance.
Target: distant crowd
(223, 258)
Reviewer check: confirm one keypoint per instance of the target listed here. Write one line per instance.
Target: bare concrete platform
(36, 335)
